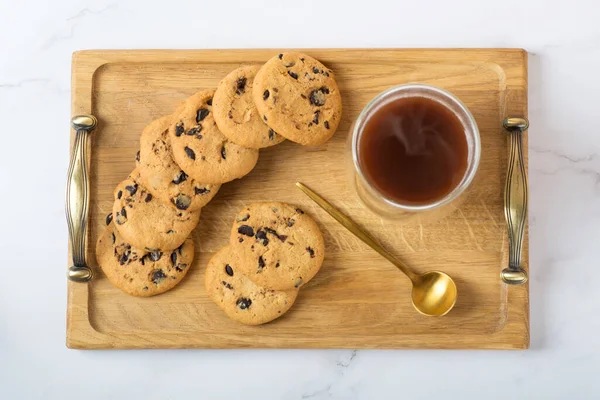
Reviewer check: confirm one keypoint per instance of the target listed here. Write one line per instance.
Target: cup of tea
(413, 150)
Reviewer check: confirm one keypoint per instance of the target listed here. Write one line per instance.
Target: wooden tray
(358, 300)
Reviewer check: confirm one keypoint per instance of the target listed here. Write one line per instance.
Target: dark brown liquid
(413, 150)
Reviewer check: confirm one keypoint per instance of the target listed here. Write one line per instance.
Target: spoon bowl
(434, 293)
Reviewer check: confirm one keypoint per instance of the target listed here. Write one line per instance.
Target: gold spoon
(433, 293)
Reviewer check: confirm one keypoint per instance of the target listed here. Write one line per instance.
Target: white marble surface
(37, 39)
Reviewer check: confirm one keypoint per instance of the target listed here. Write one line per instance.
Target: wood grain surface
(358, 300)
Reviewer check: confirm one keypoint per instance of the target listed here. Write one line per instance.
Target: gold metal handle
(356, 230)
(77, 201)
(515, 201)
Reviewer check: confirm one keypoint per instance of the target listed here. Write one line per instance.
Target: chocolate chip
(124, 257)
(198, 190)
(170, 231)
(293, 74)
(229, 270)
(272, 134)
(299, 211)
(108, 218)
(181, 177)
(240, 85)
(289, 64)
(180, 267)
(148, 198)
(274, 233)
(298, 283)
(145, 288)
(316, 118)
(182, 202)
(209, 101)
(179, 129)
(194, 131)
(291, 222)
(311, 252)
(137, 156)
(114, 238)
(265, 117)
(303, 96)
(246, 230)
(223, 153)
(132, 189)
(261, 263)
(155, 255)
(246, 217)
(174, 258)
(143, 259)
(326, 73)
(280, 56)
(190, 153)
(243, 303)
(227, 285)
(240, 240)
(266, 95)
(201, 114)
(121, 217)
(277, 265)
(326, 124)
(302, 59)
(157, 276)
(262, 237)
(120, 194)
(230, 114)
(276, 90)
(271, 231)
(317, 96)
(315, 70)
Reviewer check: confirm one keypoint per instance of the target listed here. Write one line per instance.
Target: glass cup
(387, 207)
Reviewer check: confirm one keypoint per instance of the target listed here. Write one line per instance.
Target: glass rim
(470, 123)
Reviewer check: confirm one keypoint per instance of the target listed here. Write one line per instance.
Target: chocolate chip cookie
(161, 175)
(201, 150)
(298, 98)
(240, 298)
(235, 113)
(146, 222)
(278, 245)
(139, 272)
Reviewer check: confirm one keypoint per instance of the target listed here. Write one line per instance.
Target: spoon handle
(515, 201)
(77, 199)
(355, 229)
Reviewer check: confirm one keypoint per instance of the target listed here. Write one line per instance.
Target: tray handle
(515, 200)
(77, 202)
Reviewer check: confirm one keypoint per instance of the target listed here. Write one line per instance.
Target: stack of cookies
(213, 138)
(274, 248)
